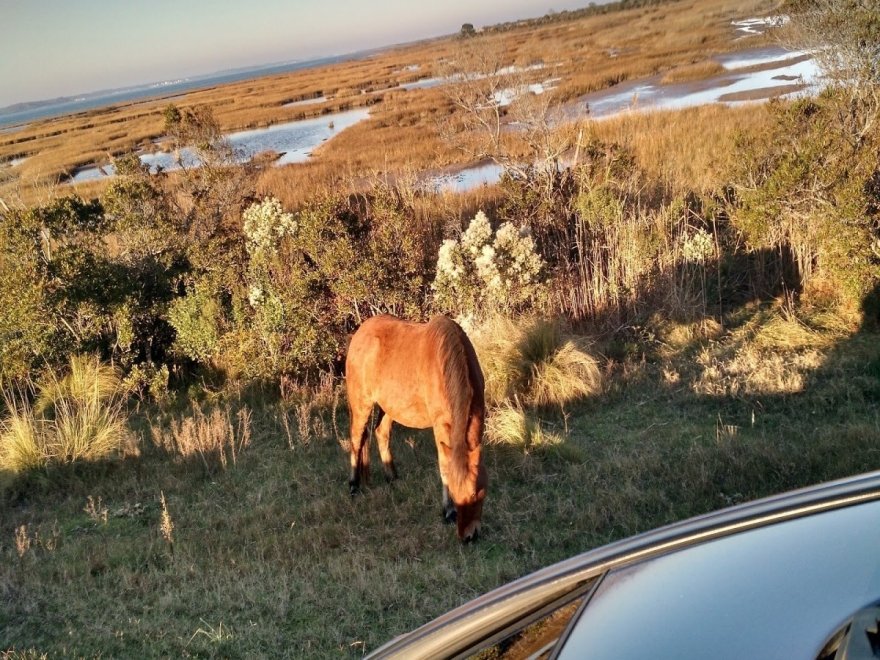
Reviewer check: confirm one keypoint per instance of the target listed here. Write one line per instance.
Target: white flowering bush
(485, 270)
(265, 224)
(697, 246)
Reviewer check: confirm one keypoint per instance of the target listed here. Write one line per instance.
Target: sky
(53, 48)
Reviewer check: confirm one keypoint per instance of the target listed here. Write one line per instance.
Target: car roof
(494, 615)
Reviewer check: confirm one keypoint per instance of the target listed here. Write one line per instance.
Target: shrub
(148, 379)
(265, 224)
(811, 199)
(197, 319)
(314, 274)
(488, 270)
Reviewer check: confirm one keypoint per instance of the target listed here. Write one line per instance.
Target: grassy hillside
(270, 556)
(684, 318)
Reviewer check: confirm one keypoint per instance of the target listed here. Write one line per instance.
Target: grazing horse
(421, 375)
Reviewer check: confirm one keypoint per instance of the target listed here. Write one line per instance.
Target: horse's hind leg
(383, 438)
(360, 447)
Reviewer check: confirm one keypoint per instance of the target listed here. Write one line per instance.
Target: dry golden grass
(216, 438)
(663, 142)
(78, 416)
(403, 133)
(21, 445)
(774, 352)
(509, 424)
(695, 71)
(534, 363)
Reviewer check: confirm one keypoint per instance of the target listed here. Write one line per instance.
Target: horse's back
(412, 370)
(388, 365)
(382, 342)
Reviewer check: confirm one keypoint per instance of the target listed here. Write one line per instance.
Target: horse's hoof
(390, 472)
(353, 488)
(471, 538)
(449, 516)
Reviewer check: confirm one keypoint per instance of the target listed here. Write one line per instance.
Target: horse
(421, 375)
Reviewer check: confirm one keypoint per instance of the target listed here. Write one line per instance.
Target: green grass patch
(272, 557)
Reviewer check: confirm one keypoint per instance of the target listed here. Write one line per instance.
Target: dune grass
(76, 416)
(272, 557)
(535, 362)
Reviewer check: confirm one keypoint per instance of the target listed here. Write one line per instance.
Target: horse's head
(469, 509)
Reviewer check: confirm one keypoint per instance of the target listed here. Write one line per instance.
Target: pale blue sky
(51, 48)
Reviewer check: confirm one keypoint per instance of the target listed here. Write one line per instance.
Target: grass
(272, 557)
(228, 530)
(213, 437)
(77, 416)
(534, 362)
(689, 72)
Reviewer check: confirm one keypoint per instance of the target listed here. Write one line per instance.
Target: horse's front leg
(448, 511)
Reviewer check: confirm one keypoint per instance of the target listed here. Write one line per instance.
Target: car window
(535, 641)
(777, 591)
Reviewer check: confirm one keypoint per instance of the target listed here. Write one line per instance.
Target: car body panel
(778, 592)
(486, 618)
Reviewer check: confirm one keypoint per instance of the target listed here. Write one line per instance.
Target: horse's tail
(465, 392)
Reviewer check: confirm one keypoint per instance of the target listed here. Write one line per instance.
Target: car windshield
(775, 592)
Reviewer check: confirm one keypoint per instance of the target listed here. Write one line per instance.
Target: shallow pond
(778, 73)
(294, 141)
(466, 179)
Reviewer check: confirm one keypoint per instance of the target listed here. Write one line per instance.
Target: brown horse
(421, 375)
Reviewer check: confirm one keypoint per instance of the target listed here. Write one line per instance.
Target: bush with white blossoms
(486, 270)
(697, 246)
(265, 224)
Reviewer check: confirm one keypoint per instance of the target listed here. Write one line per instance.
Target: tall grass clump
(213, 437)
(535, 363)
(77, 416)
(510, 424)
(21, 447)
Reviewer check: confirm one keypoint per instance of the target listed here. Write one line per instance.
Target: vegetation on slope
(664, 330)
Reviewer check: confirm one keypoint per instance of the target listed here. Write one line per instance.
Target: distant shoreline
(25, 113)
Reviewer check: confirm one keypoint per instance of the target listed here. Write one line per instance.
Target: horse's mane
(464, 390)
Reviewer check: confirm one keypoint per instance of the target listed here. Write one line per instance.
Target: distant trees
(467, 30)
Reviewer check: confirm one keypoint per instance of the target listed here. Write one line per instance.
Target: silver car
(794, 576)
